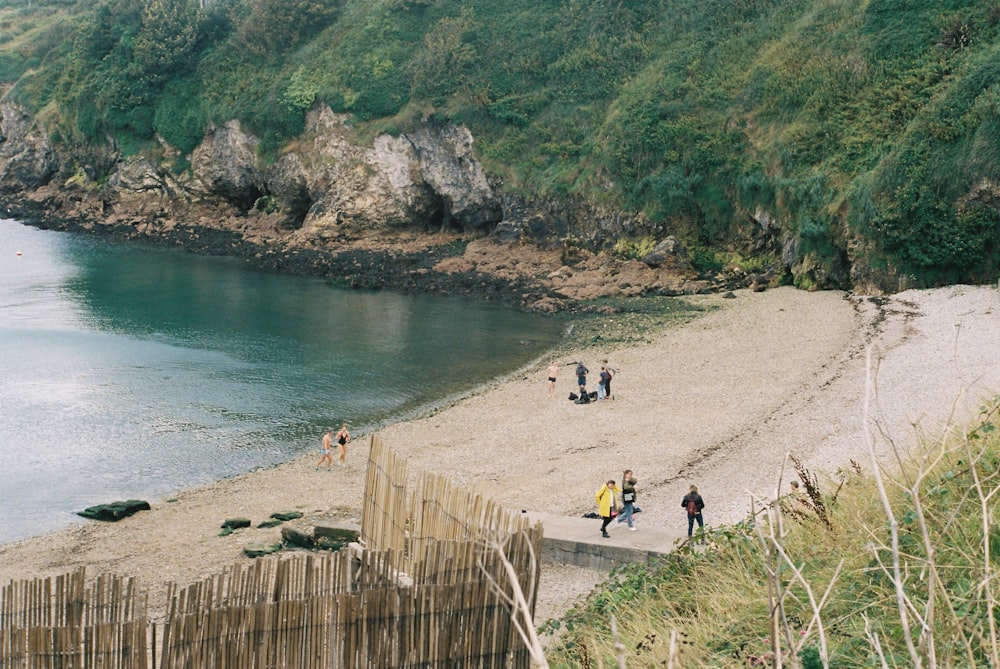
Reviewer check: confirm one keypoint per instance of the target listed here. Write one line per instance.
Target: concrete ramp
(572, 540)
(578, 541)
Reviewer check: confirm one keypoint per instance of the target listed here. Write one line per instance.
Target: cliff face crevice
(27, 159)
(414, 211)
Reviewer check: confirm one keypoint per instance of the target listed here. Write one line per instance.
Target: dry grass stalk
(896, 574)
(776, 561)
(618, 645)
(986, 516)
(520, 611)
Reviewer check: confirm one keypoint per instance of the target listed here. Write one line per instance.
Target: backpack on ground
(583, 399)
(692, 507)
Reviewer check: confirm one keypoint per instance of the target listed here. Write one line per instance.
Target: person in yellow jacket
(608, 500)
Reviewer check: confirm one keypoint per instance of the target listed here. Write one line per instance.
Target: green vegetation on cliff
(867, 131)
(894, 568)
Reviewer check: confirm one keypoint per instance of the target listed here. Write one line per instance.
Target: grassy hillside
(866, 130)
(889, 570)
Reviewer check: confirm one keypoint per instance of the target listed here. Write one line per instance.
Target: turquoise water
(130, 372)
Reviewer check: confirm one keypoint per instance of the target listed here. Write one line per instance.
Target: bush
(12, 66)
(180, 118)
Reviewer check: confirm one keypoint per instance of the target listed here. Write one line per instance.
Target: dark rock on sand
(115, 510)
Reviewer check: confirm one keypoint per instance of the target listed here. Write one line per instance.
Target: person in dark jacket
(581, 378)
(693, 504)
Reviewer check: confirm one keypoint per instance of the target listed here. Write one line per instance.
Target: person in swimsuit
(553, 372)
(342, 438)
(327, 447)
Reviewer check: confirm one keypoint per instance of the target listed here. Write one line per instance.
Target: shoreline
(717, 401)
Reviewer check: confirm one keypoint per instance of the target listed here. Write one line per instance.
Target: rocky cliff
(413, 211)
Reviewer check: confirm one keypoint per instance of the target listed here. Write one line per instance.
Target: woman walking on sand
(628, 498)
(607, 505)
(342, 438)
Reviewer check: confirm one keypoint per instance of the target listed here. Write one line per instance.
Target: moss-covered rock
(236, 523)
(114, 510)
(295, 537)
(269, 523)
(261, 548)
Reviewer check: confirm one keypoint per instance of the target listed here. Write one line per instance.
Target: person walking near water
(693, 504)
(553, 372)
(342, 438)
(628, 498)
(607, 505)
(327, 446)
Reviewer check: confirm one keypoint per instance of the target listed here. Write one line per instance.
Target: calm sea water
(130, 372)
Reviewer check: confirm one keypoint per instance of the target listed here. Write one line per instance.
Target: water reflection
(131, 372)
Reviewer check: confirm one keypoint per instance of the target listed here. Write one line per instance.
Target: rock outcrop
(411, 211)
(27, 159)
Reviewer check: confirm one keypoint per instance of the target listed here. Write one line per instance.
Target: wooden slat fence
(385, 510)
(395, 518)
(427, 588)
(364, 623)
(62, 623)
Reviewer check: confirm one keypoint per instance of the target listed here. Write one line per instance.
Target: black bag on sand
(583, 399)
(592, 395)
(573, 396)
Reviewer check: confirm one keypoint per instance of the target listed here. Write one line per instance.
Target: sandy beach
(718, 402)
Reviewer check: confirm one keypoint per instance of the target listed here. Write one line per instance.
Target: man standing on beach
(327, 446)
(581, 378)
(553, 372)
(693, 504)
